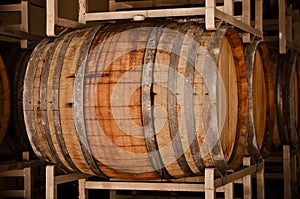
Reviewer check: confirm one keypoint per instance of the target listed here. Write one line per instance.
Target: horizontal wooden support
(19, 35)
(12, 173)
(19, 165)
(146, 186)
(69, 178)
(11, 8)
(172, 12)
(39, 3)
(69, 23)
(12, 193)
(231, 20)
(237, 175)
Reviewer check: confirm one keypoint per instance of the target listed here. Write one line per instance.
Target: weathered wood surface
(139, 100)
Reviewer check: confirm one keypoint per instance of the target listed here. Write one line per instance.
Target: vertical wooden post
(210, 6)
(24, 22)
(259, 15)
(83, 192)
(260, 182)
(247, 184)
(296, 28)
(51, 188)
(294, 173)
(289, 27)
(229, 7)
(112, 194)
(209, 184)
(27, 178)
(282, 28)
(51, 16)
(246, 18)
(112, 5)
(229, 191)
(82, 11)
(287, 171)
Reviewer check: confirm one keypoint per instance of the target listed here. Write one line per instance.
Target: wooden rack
(288, 27)
(289, 173)
(20, 31)
(210, 183)
(210, 11)
(19, 169)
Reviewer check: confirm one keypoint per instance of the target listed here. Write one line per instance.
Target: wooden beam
(259, 15)
(172, 12)
(10, 8)
(146, 186)
(231, 20)
(18, 165)
(282, 28)
(82, 11)
(210, 8)
(51, 17)
(296, 26)
(246, 18)
(210, 188)
(24, 21)
(229, 7)
(68, 23)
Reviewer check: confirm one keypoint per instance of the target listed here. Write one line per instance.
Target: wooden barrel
(287, 99)
(261, 100)
(16, 60)
(139, 100)
(4, 101)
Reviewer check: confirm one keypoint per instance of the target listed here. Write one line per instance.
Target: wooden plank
(19, 165)
(112, 5)
(246, 18)
(260, 182)
(282, 28)
(210, 6)
(82, 11)
(146, 186)
(289, 31)
(69, 23)
(51, 188)
(12, 193)
(231, 20)
(229, 190)
(10, 8)
(83, 192)
(27, 178)
(247, 184)
(51, 17)
(209, 184)
(229, 7)
(296, 27)
(19, 34)
(12, 173)
(24, 21)
(61, 179)
(287, 172)
(259, 15)
(172, 12)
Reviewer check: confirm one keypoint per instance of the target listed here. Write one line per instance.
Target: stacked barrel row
(149, 100)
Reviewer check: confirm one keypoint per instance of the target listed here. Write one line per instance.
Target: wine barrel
(287, 99)
(261, 100)
(139, 100)
(16, 140)
(4, 101)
